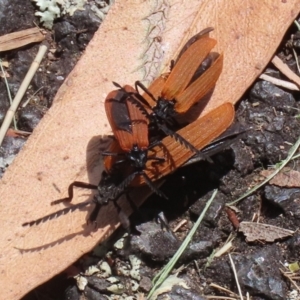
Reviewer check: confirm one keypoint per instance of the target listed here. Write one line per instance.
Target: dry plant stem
(297, 61)
(218, 287)
(220, 298)
(180, 224)
(290, 279)
(279, 82)
(21, 38)
(284, 69)
(236, 277)
(162, 275)
(8, 91)
(225, 248)
(24, 85)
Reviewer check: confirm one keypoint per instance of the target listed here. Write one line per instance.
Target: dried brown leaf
(263, 232)
(21, 38)
(285, 178)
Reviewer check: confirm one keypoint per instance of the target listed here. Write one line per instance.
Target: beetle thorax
(164, 109)
(138, 157)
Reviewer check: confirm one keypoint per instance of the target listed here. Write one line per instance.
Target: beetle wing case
(186, 67)
(128, 124)
(200, 133)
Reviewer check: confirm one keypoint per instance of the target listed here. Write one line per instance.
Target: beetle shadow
(94, 168)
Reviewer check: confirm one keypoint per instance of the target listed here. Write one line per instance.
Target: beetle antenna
(178, 138)
(139, 105)
(117, 85)
(151, 186)
(140, 85)
(124, 184)
(57, 214)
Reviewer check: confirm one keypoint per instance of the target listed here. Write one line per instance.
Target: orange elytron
(174, 94)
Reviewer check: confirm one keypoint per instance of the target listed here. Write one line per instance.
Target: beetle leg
(152, 186)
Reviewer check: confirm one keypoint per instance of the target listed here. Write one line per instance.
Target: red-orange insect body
(174, 94)
(200, 133)
(130, 128)
(167, 96)
(129, 125)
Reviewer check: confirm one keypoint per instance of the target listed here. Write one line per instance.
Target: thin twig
(224, 290)
(31, 97)
(235, 276)
(284, 69)
(24, 85)
(8, 91)
(297, 61)
(286, 84)
(297, 24)
(290, 278)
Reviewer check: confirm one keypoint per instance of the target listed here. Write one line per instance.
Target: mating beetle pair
(145, 124)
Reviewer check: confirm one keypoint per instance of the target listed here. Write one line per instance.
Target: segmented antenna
(140, 98)
(178, 138)
(125, 183)
(139, 84)
(140, 107)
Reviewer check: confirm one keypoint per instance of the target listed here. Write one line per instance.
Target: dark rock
(8, 150)
(259, 273)
(288, 199)
(62, 30)
(86, 23)
(72, 293)
(213, 213)
(198, 250)
(91, 294)
(98, 284)
(266, 140)
(220, 272)
(272, 95)
(243, 162)
(20, 64)
(29, 117)
(294, 246)
(15, 16)
(160, 245)
(155, 242)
